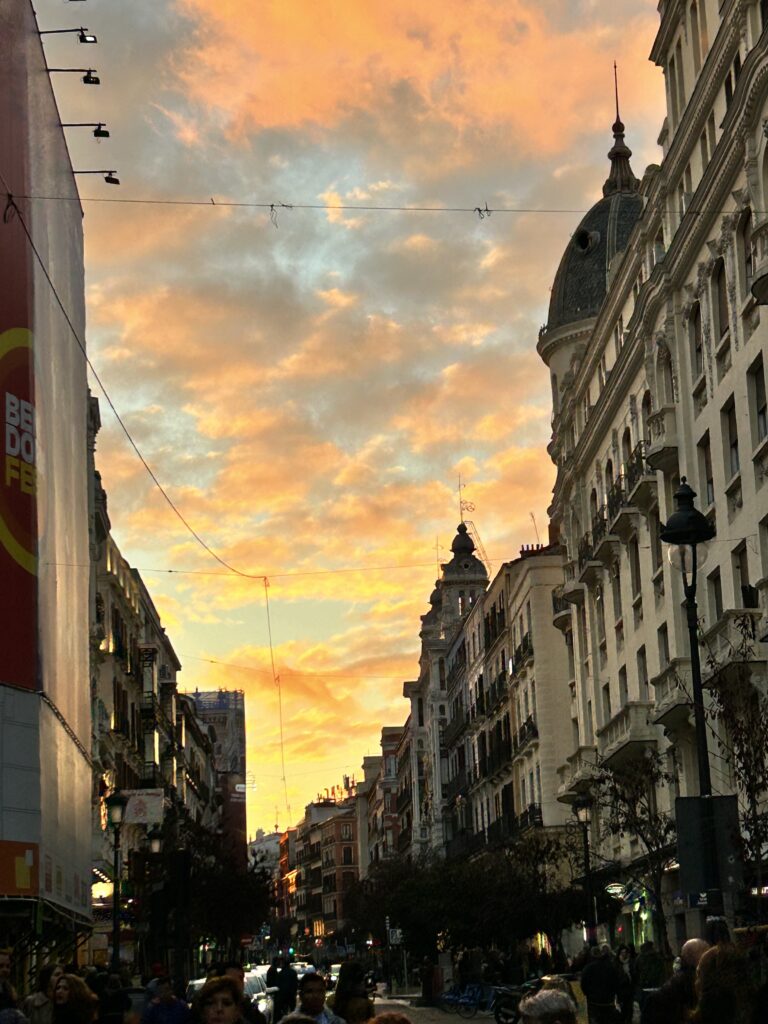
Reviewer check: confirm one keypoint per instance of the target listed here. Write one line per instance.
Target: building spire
(621, 178)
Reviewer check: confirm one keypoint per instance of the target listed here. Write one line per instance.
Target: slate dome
(581, 279)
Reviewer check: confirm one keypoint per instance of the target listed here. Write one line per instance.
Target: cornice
(670, 20)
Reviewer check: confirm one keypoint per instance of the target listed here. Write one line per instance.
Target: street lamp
(155, 837)
(687, 531)
(116, 804)
(582, 808)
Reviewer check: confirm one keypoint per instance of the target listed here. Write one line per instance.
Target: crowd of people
(63, 996)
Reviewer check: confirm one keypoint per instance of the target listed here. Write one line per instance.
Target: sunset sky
(309, 390)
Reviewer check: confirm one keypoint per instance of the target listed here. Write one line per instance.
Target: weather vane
(464, 506)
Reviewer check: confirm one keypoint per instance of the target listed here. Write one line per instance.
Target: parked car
(261, 996)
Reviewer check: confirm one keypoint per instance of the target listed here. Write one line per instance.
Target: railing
(559, 604)
(599, 526)
(403, 799)
(530, 817)
(585, 550)
(455, 727)
(617, 497)
(528, 731)
(499, 756)
(458, 784)
(637, 467)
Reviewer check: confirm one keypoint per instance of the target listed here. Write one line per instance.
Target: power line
(289, 671)
(11, 209)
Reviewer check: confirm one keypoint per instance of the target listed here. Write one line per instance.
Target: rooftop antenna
(535, 528)
(616, 89)
(464, 506)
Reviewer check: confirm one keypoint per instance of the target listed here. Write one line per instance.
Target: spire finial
(621, 178)
(616, 89)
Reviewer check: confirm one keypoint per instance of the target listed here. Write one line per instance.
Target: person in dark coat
(676, 998)
(600, 983)
(288, 983)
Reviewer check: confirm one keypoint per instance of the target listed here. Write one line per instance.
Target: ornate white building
(657, 358)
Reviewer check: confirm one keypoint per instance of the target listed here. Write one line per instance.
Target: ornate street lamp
(687, 532)
(155, 837)
(116, 804)
(582, 808)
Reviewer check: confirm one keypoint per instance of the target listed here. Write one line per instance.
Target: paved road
(431, 1015)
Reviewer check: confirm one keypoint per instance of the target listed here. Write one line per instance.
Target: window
(672, 87)
(747, 253)
(600, 614)
(707, 485)
(694, 335)
(623, 688)
(757, 403)
(616, 590)
(715, 595)
(704, 151)
(346, 831)
(420, 711)
(711, 133)
(730, 439)
(741, 577)
(680, 77)
(634, 566)
(662, 637)
(346, 855)
(720, 296)
(654, 528)
(695, 39)
(606, 702)
(642, 673)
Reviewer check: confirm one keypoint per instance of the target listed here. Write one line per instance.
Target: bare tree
(626, 795)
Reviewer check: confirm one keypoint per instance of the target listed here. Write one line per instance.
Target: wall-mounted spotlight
(83, 35)
(110, 177)
(89, 78)
(99, 129)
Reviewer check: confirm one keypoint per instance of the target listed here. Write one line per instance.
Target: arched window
(626, 447)
(608, 476)
(665, 387)
(645, 412)
(593, 505)
(720, 297)
(694, 338)
(555, 396)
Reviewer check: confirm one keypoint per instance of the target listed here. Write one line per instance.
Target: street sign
(395, 936)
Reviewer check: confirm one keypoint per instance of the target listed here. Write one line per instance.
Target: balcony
(465, 844)
(628, 732)
(404, 840)
(530, 818)
(573, 591)
(403, 799)
(456, 786)
(590, 569)
(641, 483)
(661, 453)
(672, 694)
(526, 734)
(732, 646)
(497, 692)
(604, 544)
(522, 656)
(577, 773)
(500, 758)
(561, 611)
(455, 728)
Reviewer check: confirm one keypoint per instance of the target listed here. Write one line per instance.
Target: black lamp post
(115, 810)
(582, 808)
(687, 529)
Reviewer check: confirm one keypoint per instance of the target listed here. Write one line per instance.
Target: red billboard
(18, 491)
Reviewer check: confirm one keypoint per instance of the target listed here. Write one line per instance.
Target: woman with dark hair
(38, 1008)
(73, 1001)
(218, 1002)
(724, 992)
(350, 999)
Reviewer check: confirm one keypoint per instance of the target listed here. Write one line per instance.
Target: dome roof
(464, 564)
(581, 280)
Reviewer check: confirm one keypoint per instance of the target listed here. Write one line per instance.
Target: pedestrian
(649, 972)
(157, 972)
(6, 963)
(9, 1012)
(676, 998)
(724, 991)
(626, 993)
(165, 1008)
(311, 1001)
(550, 1006)
(288, 985)
(600, 983)
(114, 1001)
(249, 1011)
(350, 998)
(273, 972)
(218, 1002)
(73, 1001)
(38, 1007)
